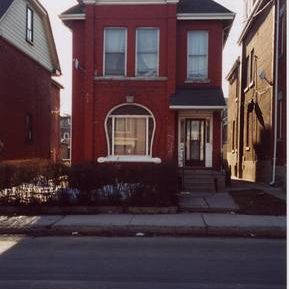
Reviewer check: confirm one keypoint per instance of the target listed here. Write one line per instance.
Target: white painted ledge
(129, 159)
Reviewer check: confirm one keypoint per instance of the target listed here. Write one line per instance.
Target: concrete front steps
(202, 181)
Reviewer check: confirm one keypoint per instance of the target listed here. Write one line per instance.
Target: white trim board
(80, 16)
(205, 16)
(196, 107)
(130, 2)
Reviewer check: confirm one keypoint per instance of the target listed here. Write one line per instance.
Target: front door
(195, 142)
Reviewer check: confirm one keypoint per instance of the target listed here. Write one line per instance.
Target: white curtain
(130, 136)
(114, 51)
(198, 54)
(147, 51)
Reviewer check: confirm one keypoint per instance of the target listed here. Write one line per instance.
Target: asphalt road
(141, 263)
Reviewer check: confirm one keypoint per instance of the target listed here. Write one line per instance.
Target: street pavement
(185, 224)
(141, 263)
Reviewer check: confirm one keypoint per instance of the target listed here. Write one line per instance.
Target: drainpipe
(275, 91)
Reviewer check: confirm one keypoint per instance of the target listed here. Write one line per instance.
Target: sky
(63, 40)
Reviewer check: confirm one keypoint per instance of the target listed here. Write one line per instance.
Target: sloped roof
(198, 97)
(4, 5)
(201, 6)
(77, 9)
(184, 6)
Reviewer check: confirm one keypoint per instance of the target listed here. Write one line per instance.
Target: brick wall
(25, 90)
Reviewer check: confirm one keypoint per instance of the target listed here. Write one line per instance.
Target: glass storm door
(195, 142)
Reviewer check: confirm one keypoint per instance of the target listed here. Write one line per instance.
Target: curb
(147, 231)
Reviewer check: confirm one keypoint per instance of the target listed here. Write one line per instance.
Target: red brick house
(29, 98)
(147, 82)
(257, 118)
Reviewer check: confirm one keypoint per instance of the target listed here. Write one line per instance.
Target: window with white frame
(130, 130)
(115, 51)
(197, 60)
(147, 51)
(29, 25)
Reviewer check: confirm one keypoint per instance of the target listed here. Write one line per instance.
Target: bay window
(130, 130)
(147, 50)
(115, 51)
(197, 56)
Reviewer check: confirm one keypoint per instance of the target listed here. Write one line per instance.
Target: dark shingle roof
(77, 9)
(4, 5)
(201, 6)
(198, 97)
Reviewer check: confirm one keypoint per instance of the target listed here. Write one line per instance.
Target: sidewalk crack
(205, 223)
(56, 221)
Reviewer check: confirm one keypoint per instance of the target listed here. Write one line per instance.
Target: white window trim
(125, 51)
(145, 117)
(129, 158)
(158, 52)
(207, 76)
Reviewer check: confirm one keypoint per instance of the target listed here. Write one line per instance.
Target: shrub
(126, 183)
(15, 173)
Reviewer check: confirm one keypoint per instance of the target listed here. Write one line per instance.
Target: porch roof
(198, 98)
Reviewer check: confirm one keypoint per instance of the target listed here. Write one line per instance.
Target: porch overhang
(198, 98)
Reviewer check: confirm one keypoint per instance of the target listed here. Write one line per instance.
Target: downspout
(275, 52)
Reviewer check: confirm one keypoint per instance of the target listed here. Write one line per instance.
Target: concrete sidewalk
(189, 224)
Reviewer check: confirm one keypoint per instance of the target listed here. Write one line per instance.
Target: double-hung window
(147, 52)
(197, 58)
(29, 25)
(115, 51)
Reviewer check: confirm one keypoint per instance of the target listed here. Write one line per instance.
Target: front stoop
(202, 181)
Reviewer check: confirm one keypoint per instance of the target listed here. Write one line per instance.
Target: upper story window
(115, 51)
(147, 51)
(282, 36)
(29, 25)
(249, 69)
(197, 58)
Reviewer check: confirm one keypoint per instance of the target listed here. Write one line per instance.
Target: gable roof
(201, 6)
(4, 5)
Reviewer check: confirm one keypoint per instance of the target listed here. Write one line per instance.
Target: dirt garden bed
(258, 202)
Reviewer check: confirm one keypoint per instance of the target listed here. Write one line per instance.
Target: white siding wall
(13, 28)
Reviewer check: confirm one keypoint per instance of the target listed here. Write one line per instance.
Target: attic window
(29, 25)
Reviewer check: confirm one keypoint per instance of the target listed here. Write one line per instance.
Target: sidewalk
(187, 224)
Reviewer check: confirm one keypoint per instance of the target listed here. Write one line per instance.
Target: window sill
(129, 159)
(197, 81)
(252, 83)
(30, 42)
(133, 78)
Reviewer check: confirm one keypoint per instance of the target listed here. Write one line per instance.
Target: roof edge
(250, 19)
(235, 65)
(76, 16)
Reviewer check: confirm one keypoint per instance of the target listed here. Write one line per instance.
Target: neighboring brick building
(257, 132)
(29, 98)
(147, 82)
